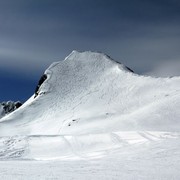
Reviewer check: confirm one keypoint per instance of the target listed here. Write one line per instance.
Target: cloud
(167, 69)
(34, 34)
(21, 60)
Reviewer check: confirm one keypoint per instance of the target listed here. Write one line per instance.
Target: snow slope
(129, 156)
(94, 118)
(79, 147)
(90, 93)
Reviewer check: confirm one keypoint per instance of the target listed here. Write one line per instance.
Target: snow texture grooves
(75, 147)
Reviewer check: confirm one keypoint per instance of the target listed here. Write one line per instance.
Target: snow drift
(88, 92)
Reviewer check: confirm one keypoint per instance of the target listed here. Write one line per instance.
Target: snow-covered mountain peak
(89, 92)
(86, 56)
(97, 58)
(89, 111)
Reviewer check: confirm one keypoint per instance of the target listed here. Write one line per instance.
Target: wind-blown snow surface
(99, 119)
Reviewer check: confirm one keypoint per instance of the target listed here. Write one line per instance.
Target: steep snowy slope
(88, 92)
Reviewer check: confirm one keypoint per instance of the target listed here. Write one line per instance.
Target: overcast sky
(143, 34)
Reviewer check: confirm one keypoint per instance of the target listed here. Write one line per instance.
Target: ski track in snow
(39, 147)
(143, 155)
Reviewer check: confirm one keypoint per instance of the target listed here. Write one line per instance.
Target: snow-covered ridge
(88, 92)
(89, 57)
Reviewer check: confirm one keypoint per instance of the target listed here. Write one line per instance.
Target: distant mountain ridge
(8, 107)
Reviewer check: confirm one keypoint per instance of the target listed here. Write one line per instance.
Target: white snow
(94, 118)
(129, 155)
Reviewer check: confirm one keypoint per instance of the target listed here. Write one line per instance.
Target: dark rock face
(129, 69)
(42, 79)
(8, 107)
(18, 104)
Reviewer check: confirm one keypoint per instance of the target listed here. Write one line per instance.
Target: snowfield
(94, 118)
(142, 156)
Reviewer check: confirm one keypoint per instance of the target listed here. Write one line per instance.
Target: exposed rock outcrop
(42, 79)
(8, 107)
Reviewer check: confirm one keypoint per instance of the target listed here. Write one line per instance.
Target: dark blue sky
(142, 34)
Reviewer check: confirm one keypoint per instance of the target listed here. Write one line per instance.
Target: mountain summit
(88, 92)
